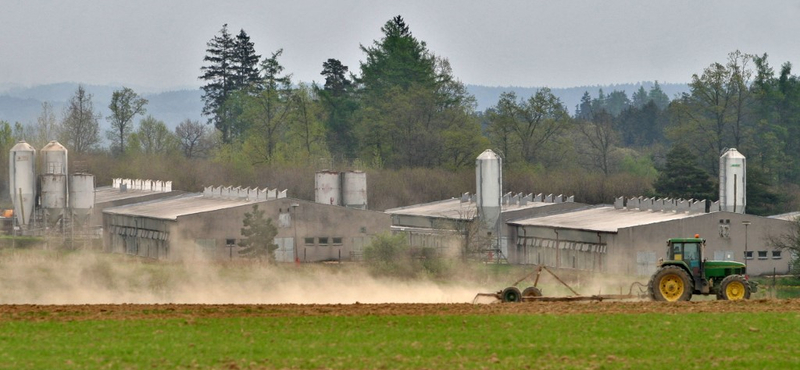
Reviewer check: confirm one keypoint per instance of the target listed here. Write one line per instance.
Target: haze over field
(160, 45)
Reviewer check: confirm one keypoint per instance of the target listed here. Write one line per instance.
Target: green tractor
(686, 271)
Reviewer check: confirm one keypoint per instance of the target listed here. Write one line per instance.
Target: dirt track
(135, 312)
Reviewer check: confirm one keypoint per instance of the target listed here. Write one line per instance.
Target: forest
(403, 116)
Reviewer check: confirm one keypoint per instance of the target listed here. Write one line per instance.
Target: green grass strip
(635, 341)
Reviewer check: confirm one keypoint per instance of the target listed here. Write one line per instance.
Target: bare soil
(190, 311)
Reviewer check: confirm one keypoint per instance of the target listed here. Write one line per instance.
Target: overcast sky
(161, 43)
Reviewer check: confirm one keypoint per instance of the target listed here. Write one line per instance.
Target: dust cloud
(59, 277)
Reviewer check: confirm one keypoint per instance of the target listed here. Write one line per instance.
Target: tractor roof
(686, 240)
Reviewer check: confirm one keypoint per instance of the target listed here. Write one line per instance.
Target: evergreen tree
(584, 109)
(640, 98)
(409, 99)
(220, 77)
(339, 103)
(397, 60)
(682, 178)
(244, 62)
(259, 236)
(658, 96)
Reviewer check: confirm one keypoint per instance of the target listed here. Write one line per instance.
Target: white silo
(22, 181)
(489, 181)
(732, 181)
(328, 188)
(81, 197)
(354, 189)
(53, 181)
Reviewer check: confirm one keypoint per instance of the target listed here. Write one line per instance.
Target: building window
(748, 255)
(776, 255)
(323, 241)
(309, 241)
(762, 255)
(337, 241)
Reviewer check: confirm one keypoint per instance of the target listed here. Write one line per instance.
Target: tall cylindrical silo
(489, 181)
(732, 181)
(81, 197)
(354, 189)
(22, 181)
(328, 188)
(53, 181)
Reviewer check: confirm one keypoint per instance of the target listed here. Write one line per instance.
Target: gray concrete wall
(206, 235)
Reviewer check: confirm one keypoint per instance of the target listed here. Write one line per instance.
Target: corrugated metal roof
(603, 219)
(108, 194)
(173, 207)
(455, 209)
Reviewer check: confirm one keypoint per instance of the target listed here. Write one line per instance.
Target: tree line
(403, 108)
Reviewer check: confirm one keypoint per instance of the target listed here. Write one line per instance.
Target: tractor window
(691, 254)
(677, 251)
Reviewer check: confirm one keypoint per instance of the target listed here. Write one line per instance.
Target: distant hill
(24, 104)
(487, 96)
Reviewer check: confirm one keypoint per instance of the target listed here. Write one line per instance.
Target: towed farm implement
(534, 294)
(684, 273)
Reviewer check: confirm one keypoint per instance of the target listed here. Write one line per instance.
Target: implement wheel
(531, 291)
(733, 288)
(511, 294)
(671, 284)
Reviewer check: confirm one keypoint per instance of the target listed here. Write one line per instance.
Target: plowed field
(139, 311)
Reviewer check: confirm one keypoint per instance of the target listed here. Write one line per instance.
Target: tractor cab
(689, 253)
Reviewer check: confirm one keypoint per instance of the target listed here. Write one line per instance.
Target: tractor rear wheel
(531, 291)
(733, 288)
(511, 294)
(671, 284)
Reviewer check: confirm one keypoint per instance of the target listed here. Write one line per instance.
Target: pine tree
(337, 98)
(219, 75)
(682, 178)
(259, 236)
(244, 62)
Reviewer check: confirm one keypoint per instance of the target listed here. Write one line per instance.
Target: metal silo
(53, 181)
(732, 181)
(328, 188)
(22, 181)
(354, 189)
(81, 197)
(489, 181)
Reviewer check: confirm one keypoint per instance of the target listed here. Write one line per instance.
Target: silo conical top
(23, 146)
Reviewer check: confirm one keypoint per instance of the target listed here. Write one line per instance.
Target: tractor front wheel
(733, 288)
(671, 284)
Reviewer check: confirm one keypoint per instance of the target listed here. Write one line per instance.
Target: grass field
(596, 336)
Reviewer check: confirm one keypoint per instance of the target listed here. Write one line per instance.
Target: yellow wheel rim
(671, 287)
(735, 290)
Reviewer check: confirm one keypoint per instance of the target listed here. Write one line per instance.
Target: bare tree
(599, 139)
(46, 127)
(789, 241)
(80, 128)
(194, 138)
